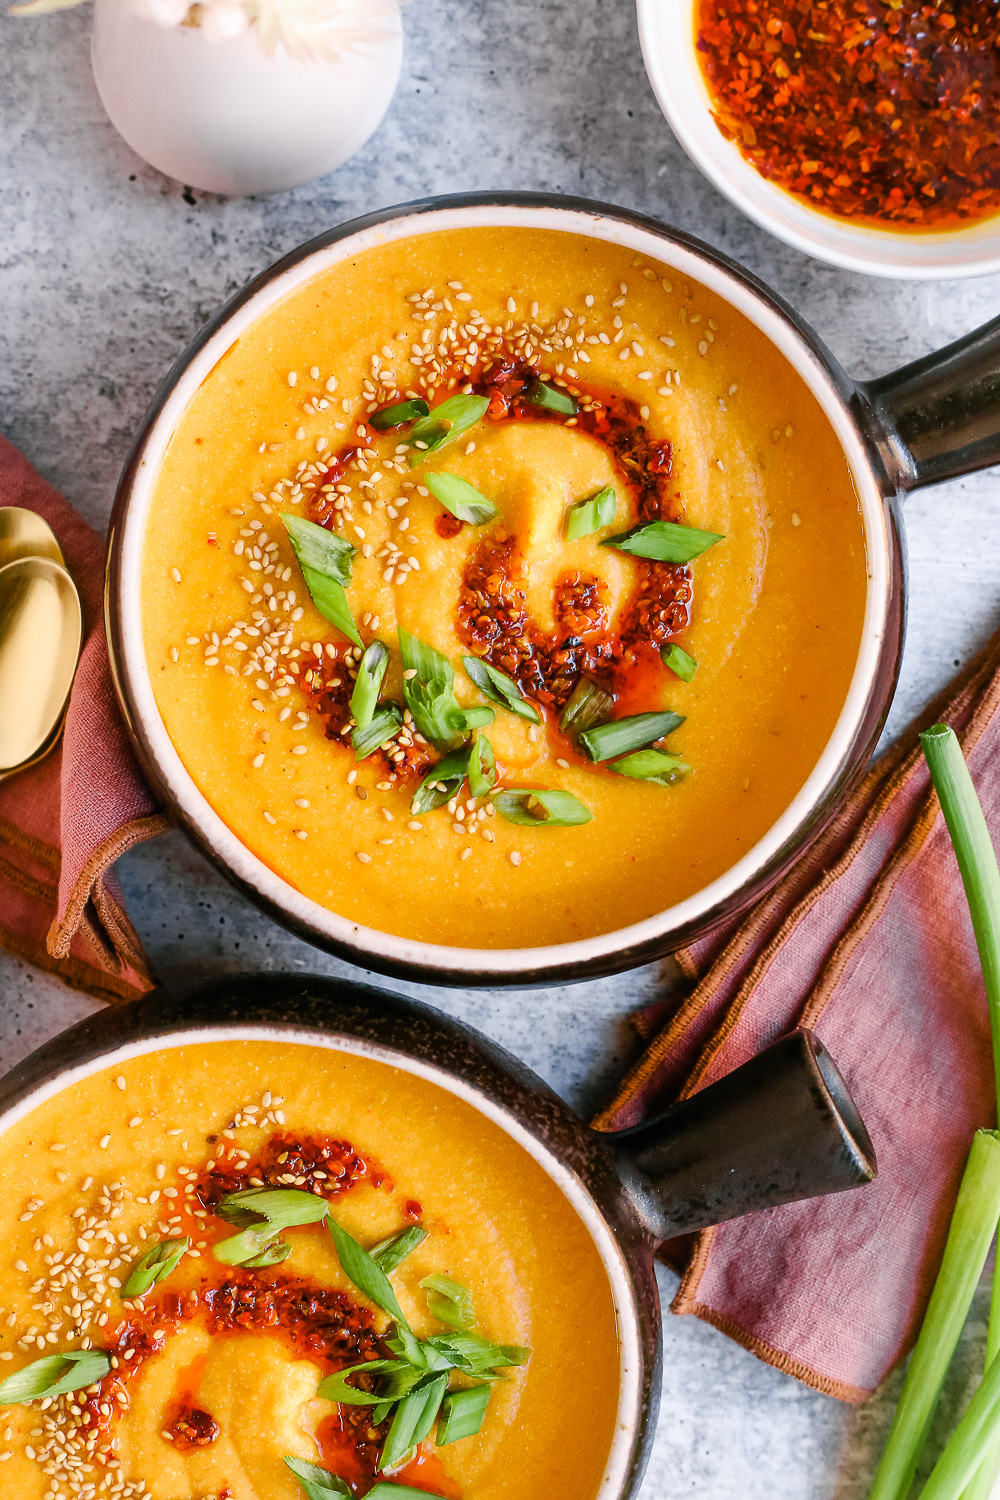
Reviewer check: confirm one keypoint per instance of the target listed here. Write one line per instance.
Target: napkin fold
(868, 941)
(65, 821)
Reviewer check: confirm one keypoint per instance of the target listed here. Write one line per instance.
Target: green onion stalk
(970, 1461)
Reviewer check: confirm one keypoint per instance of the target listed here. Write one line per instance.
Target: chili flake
(885, 112)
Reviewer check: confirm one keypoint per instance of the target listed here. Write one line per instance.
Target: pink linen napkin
(64, 822)
(869, 942)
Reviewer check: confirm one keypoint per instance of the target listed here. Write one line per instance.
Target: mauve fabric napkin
(64, 822)
(868, 941)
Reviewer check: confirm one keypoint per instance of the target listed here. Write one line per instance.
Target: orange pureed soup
(631, 515)
(204, 1382)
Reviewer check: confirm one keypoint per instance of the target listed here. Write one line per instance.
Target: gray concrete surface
(107, 269)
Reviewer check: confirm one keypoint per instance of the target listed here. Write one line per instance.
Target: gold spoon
(25, 534)
(40, 631)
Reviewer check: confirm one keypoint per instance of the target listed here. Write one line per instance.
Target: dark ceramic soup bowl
(937, 418)
(781, 1128)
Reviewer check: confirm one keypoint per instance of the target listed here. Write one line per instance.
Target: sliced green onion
(588, 516)
(156, 1265)
(449, 1301)
(366, 1274)
(242, 1248)
(534, 807)
(315, 547)
(444, 424)
(326, 561)
(414, 1417)
(54, 1375)
(973, 1222)
(462, 1413)
(655, 766)
(477, 717)
(551, 398)
(393, 1251)
(319, 1484)
(679, 662)
(632, 733)
(496, 685)
(385, 1490)
(475, 1355)
(586, 706)
(273, 1253)
(461, 499)
(424, 660)
(364, 699)
(335, 1387)
(395, 416)
(482, 768)
(281, 1208)
(664, 541)
(378, 732)
(442, 781)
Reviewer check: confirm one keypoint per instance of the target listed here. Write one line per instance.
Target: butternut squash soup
(502, 589)
(267, 1271)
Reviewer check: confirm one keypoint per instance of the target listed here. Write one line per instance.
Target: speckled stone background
(106, 271)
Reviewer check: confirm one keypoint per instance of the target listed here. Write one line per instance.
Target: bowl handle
(940, 416)
(780, 1128)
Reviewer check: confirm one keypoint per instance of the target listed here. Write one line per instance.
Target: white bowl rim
(407, 954)
(667, 39)
(614, 1480)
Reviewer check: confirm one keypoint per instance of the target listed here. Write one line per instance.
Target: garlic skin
(246, 98)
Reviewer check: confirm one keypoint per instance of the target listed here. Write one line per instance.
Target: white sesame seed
(175, 574)
(299, 749)
(292, 377)
(365, 859)
(270, 818)
(795, 519)
(104, 1142)
(514, 857)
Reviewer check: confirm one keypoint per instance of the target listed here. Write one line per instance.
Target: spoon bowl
(40, 632)
(23, 533)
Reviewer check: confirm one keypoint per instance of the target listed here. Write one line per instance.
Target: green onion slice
(315, 547)
(587, 705)
(326, 560)
(280, 1208)
(496, 685)
(679, 662)
(655, 766)
(431, 699)
(365, 1272)
(477, 1356)
(449, 1301)
(461, 499)
(273, 1253)
(442, 781)
(378, 732)
(551, 398)
(393, 1251)
(588, 516)
(482, 768)
(444, 424)
(664, 541)
(384, 1490)
(54, 1375)
(242, 1248)
(395, 416)
(632, 733)
(462, 1413)
(364, 699)
(414, 1417)
(335, 1387)
(535, 807)
(156, 1265)
(318, 1484)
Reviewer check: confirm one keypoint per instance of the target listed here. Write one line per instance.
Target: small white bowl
(667, 34)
